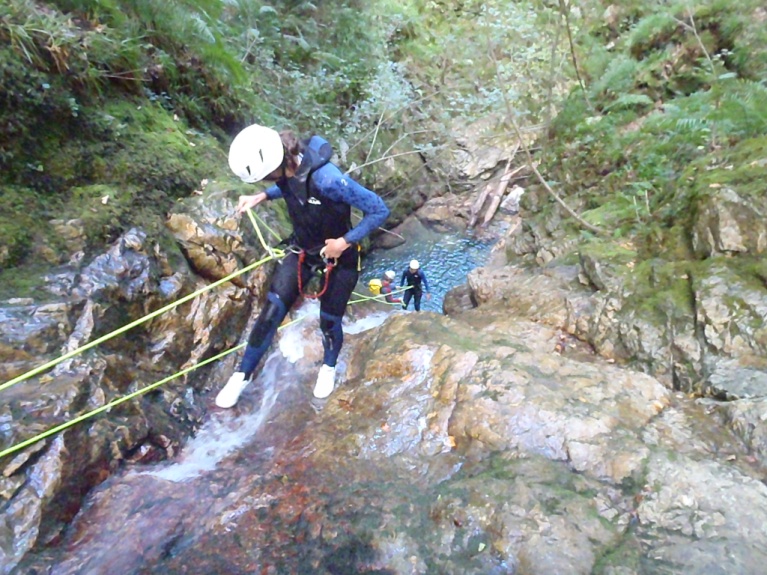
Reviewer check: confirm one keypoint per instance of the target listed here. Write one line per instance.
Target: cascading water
(172, 504)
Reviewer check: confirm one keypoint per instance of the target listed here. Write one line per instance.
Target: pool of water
(446, 259)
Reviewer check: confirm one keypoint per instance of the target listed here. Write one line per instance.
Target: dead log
(476, 207)
(495, 198)
(479, 203)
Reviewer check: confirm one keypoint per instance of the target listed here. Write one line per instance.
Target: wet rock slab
(468, 445)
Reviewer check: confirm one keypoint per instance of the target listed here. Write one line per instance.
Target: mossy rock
(130, 162)
(24, 282)
(741, 168)
(663, 287)
(129, 141)
(606, 263)
(20, 209)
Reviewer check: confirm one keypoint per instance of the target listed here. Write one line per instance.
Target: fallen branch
(495, 199)
(476, 207)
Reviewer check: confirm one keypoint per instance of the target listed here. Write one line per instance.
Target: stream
(445, 259)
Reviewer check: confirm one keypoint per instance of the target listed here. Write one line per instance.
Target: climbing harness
(330, 263)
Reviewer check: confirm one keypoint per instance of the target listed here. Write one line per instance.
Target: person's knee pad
(268, 320)
(332, 337)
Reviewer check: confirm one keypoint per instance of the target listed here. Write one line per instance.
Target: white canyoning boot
(230, 393)
(326, 381)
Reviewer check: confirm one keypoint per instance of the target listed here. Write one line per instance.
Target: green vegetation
(135, 100)
(85, 78)
(125, 95)
(670, 88)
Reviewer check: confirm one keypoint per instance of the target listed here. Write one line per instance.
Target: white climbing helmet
(255, 153)
(414, 265)
(390, 275)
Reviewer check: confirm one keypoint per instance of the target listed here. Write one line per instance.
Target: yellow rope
(381, 298)
(102, 339)
(268, 229)
(363, 298)
(118, 401)
(111, 404)
(274, 252)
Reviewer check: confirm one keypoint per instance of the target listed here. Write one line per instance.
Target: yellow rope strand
(131, 325)
(274, 252)
(268, 229)
(113, 403)
(381, 298)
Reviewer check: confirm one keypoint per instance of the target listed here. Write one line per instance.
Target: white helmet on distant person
(255, 153)
(390, 275)
(414, 265)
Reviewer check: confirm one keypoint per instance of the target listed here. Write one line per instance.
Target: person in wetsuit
(319, 199)
(388, 287)
(415, 279)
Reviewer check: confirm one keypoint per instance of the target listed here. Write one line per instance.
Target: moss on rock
(130, 161)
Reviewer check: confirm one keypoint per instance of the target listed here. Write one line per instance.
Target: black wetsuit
(417, 282)
(319, 200)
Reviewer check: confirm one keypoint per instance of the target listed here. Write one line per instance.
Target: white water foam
(291, 339)
(225, 431)
(368, 322)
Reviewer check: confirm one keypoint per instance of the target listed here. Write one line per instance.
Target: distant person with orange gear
(416, 282)
(388, 287)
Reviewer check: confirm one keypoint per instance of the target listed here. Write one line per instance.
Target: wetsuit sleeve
(273, 193)
(340, 188)
(403, 278)
(425, 282)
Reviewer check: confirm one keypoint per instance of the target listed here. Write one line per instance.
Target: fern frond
(743, 108)
(202, 30)
(627, 101)
(618, 78)
(650, 28)
(692, 124)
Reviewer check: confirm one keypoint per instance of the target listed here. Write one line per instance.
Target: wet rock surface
(451, 445)
(77, 304)
(545, 425)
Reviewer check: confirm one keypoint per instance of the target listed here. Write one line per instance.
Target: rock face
(698, 324)
(729, 224)
(472, 444)
(42, 484)
(534, 429)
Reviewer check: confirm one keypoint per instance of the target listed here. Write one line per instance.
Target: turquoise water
(446, 259)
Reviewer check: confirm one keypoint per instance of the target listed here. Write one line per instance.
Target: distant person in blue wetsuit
(319, 200)
(414, 280)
